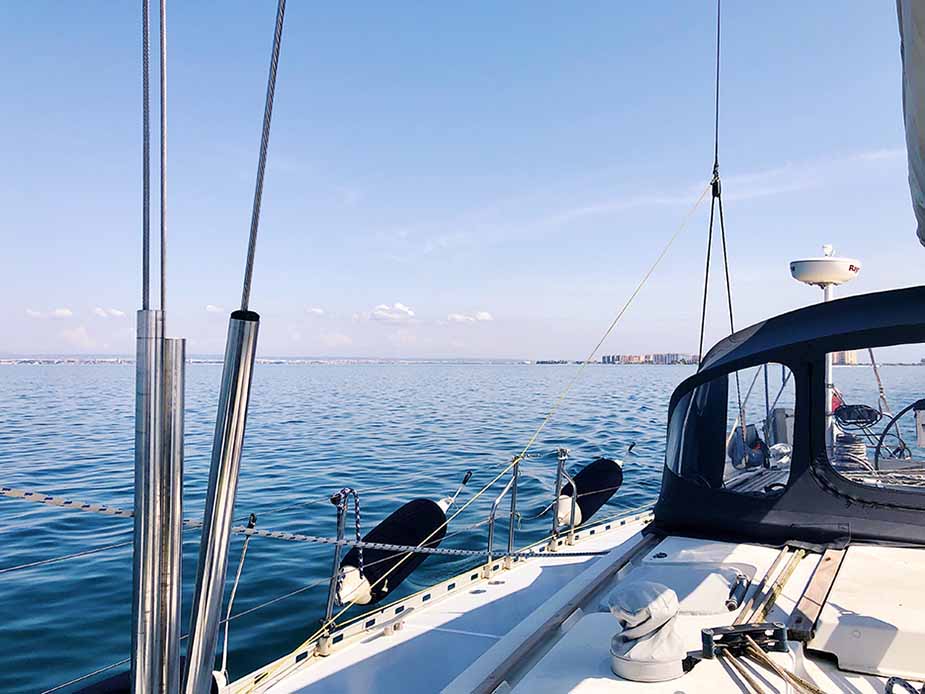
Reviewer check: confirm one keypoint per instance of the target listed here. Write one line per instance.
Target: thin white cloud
(212, 308)
(790, 177)
(32, 313)
(879, 154)
(61, 313)
(315, 311)
(108, 312)
(478, 316)
(395, 313)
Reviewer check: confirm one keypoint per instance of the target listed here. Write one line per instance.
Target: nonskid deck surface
(576, 657)
(440, 639)
(459, 644)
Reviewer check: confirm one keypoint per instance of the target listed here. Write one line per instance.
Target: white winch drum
(646, 647)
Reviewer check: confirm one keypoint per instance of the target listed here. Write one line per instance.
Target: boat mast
(159, 403)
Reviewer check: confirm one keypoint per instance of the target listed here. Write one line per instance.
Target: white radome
(825, 270)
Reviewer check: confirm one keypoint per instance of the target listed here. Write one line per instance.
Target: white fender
(354, 588)
(564, 511)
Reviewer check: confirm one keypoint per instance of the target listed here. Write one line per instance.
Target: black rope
(722, 230)
(706, 286)
(717, 202)
(717, 190)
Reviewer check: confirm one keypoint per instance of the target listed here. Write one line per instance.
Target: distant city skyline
(447, 181)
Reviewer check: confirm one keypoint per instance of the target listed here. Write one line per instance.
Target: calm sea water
(410, 430)
(394, 432)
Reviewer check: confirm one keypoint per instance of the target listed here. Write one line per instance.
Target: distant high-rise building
(847, 358)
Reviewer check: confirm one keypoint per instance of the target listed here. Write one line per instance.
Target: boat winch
(594, 485)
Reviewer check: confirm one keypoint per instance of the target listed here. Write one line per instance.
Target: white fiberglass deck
(493, 635)
(442, 637)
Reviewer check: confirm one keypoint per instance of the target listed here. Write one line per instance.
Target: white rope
(252, 532)
(65, 503)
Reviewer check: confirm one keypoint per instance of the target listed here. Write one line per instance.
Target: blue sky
(480, 179)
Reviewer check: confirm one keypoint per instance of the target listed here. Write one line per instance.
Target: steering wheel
(917, 405)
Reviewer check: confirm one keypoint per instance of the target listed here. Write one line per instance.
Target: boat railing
(340, 499)
(511, 487)
(561, 473)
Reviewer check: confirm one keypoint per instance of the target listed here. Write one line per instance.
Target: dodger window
(741, 444)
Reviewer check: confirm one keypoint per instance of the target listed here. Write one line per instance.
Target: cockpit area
(793, 430)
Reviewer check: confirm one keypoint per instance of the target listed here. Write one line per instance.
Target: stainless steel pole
(510, 532)
(572, 504)
(335, 567)
(828, 294)
(560, 462)
(148, 648)
(561, 457)
(491, 541)
(227, 444)
(171, 519)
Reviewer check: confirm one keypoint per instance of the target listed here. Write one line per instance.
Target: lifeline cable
(315, 584)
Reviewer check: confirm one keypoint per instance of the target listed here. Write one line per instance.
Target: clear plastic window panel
(759, 430)
(875, 427)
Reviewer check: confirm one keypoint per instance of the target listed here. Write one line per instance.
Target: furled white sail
(912, 48)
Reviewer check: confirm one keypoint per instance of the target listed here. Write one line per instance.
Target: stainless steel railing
(511, 487)
(561, 472)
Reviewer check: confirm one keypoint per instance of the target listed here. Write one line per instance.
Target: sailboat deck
(442, 637)
(492, 635)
